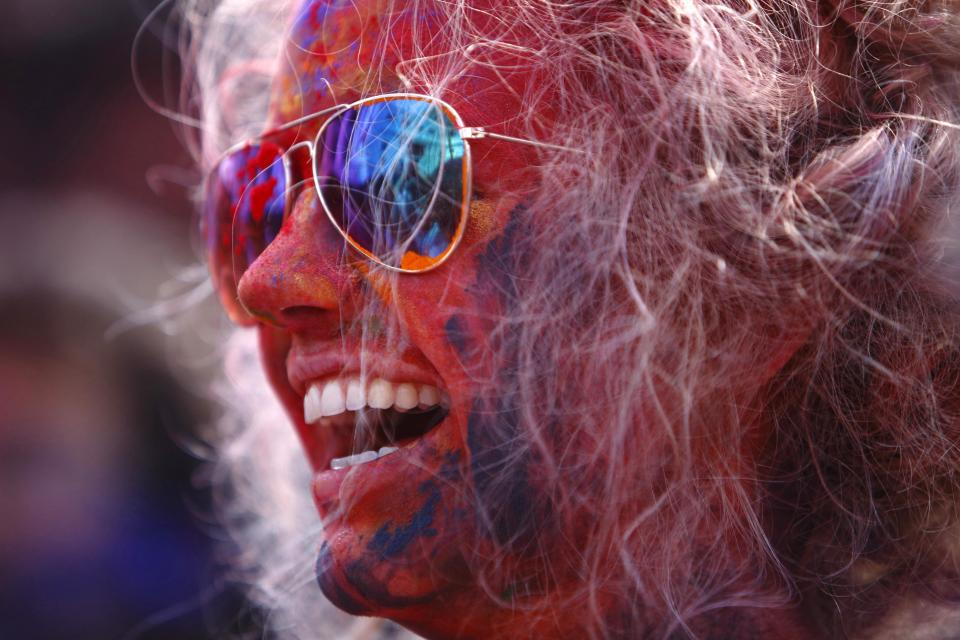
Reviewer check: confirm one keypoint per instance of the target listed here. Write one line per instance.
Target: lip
(334, 487)
(320, 362)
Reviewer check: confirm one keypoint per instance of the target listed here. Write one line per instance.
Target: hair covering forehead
(337, 48)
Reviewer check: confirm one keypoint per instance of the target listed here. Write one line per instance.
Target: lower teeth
(361, 458)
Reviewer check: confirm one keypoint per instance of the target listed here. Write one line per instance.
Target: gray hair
(753, 174)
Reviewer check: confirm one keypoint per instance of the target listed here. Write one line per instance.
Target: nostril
(303, 311)
(306, 316)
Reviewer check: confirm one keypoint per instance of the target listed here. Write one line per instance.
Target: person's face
(396, 529)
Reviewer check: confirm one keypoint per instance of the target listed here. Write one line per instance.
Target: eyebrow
(286, 126)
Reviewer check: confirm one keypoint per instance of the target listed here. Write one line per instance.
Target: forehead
(340, 50)
(329, 54)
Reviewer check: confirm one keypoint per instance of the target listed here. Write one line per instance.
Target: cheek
(511, 504)
(450, 313)
(464, 329)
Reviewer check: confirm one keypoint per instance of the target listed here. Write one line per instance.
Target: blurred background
(105, 527)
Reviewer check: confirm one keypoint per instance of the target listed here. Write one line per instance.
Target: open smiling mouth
(367, 422)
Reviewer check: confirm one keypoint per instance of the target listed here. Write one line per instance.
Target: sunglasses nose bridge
(299, 161)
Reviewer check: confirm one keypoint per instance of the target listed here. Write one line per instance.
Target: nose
(303, 280)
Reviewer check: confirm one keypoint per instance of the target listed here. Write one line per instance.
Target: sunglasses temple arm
(478, 133)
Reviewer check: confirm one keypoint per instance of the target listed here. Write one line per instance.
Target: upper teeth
(334, 397)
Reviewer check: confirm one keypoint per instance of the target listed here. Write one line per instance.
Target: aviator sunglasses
(392, 172)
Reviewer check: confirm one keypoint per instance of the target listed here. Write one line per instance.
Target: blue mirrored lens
(391, 174)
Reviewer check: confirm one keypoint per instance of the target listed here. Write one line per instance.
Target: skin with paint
(394, 552)
(397, 530)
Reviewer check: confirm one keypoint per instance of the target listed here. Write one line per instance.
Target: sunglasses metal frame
(466, 134)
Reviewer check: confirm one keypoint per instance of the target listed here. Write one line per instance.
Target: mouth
(365, 422)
